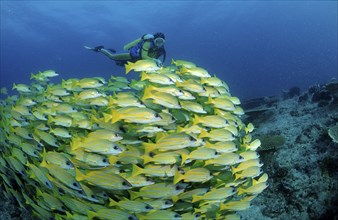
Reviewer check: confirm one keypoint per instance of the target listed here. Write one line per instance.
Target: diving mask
(159, 42)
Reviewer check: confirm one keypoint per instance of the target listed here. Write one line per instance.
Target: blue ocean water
(258, 47)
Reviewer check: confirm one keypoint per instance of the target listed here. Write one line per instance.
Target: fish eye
(75, 184)
(178, 187)
(93, 196)
(197, 215)
(80, 192)
(30, 135)
(151, 154)
(116, 148)
(124, 183)
(167, 203)
(148, 207)
(148, 179)
(130, 217)
(61, 191)
(68, 163)
(104, 160)
(63, 208)
(35, 152)
(177, 216)
(216, 153)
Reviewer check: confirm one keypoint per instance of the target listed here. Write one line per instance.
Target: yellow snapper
(157, 78)
(100, 146)
(221, 103)
(62, 175)
(193, 175)
(173, 141)
(215, 194)
(254, 189)
(184, 63)
(220, 134)
(191, 85)
(192, 106)
(111, 214)
(246, 164)
(225, 159)
(154, 170)
(161, 98)
(87, 94)
(21, 88)
(222, 147)
(158, 191)
(61, 132)
(212, 121)
(235, 205)
(195, 71)
(201, 153)
(250, 172)
(134, 206)
(57, 158)
(165, 214)
(141, 65)
(104, 180)
(132, 114)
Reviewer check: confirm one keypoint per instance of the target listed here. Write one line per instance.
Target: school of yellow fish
(168, 146)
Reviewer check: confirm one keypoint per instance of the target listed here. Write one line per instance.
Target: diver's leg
(121, 56)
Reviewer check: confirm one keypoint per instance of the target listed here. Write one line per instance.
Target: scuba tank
(133, 43)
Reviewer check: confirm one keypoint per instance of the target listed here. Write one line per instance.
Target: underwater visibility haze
(258, 47)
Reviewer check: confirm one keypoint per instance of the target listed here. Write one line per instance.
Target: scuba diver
(146, 47)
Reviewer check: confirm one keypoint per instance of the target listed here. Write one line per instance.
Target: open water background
(258, 47)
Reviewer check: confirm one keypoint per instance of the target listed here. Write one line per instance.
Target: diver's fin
(96, 49)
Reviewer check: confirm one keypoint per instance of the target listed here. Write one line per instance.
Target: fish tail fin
(107, 117)
(196, 119)
(178, 177)
(78, 175)
(112, 202)
(50, 119)
(173, 61)
(112, 159)
(175, 198)
(33, 76)
(128, 66)
(146, 158)
(14, 86)
(144, 76)
(210, 100)
(203, 134)
(240, 191)
(149, 147)
(91, 214)
(115, 116)
(183, 69)
(133, 195)
(196, 198)
(136, 170)
(203, 80)
(184, 158)
(147, 93)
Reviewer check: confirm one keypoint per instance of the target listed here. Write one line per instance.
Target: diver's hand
(158, 62)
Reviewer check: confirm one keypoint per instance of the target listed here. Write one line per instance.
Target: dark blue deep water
(258, 47)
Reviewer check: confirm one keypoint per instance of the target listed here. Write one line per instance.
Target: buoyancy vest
(153, 51)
